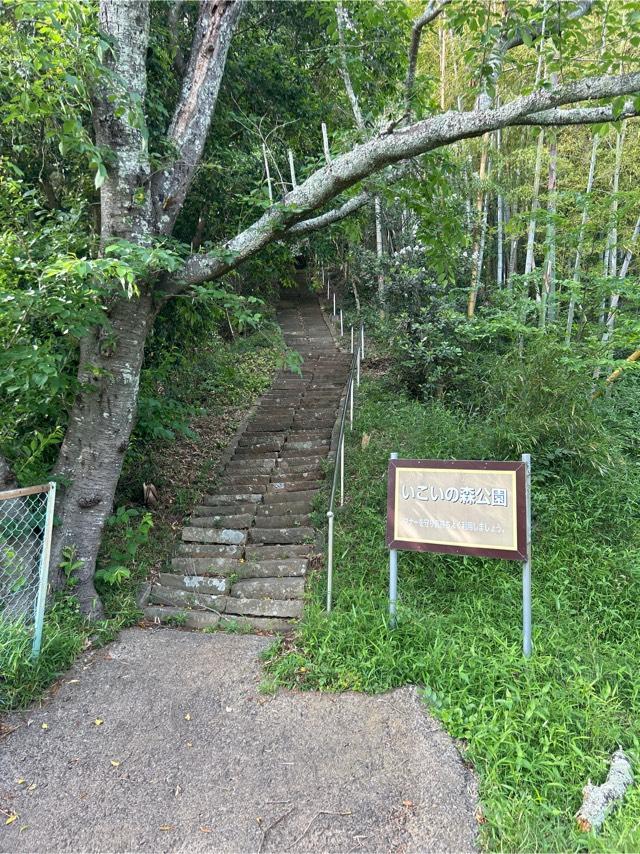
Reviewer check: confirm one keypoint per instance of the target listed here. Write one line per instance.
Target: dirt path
(190, 756)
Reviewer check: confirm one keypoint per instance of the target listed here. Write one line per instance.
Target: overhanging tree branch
(373, 155)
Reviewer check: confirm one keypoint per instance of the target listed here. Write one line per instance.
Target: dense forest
(464, 176)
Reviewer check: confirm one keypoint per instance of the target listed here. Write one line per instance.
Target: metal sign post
(393, 575)
(462, 507)
(526, 566)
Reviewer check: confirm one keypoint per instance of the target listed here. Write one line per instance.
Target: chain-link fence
(26, 522)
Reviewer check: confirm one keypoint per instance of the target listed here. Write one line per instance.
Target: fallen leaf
(189, 744)
(45, 726)
(408, 804)
(187, 717)
(115, 762)
(205, 829)
(12, 818)
(167, 826)
(98, 722)
(31, 787)
(72, 681)
(24, 827)
(21, 781)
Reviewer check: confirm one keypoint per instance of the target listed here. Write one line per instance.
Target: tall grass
(536, 731)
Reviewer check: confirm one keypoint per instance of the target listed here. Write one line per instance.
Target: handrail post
(341, 325)
(342, 471)
(358, 368)
(362, 339)
(351, 403)
(330, 561)
(352, 338)
(334, 303)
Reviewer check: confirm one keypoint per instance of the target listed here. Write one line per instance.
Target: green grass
(536, 731)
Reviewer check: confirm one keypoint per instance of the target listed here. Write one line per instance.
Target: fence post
(342, 471)
(358, 368)
(362, 339)
(341, 325)
(334, 303)
(43, 572)
(352, 338)
(330, 561)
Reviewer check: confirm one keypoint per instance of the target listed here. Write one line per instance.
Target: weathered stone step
(275, 438)
(278, 536)
(248, 466)
(277, 497)
(215, 566)
(178, 616)
(221, 536)
(259, 553)
(224, 499)
(293, 520)
(268, 588)
(273, 568)
(289, 509)
(184, 598)
(280, 486)
(245, 483)
(198, 550)
(292, 466)
(242, 478)
(289, 608)
(211, 584)
(244, 520)
(308, 435)
(224, 510)
(311, 445)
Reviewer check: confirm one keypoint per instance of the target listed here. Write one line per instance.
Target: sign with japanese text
(470, 507)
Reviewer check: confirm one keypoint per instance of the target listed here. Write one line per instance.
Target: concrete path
(163, 742)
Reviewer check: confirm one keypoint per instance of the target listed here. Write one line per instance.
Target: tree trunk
(478, 229)
(529, 263)
(583, 223)
(500, 223)
(97, 437)
(548, 305)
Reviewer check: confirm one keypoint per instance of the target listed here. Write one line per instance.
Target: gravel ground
(163, 742)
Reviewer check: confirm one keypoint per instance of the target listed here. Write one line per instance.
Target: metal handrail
(354, 377)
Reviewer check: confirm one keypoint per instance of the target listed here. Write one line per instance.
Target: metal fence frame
(348, 403)
(37, 612)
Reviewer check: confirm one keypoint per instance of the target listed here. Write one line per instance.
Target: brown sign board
(472, 507)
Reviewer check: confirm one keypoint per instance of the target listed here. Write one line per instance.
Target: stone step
(212, 584)
(275, 438)
(243, 478)
(308, 435)
(292, 466)
(291, 521)
(311, 445)
(256, 624)
(259, 466)
(198, 550)
(279, 536)
(268, 588)
(217, 498)
(281, 486)
(295, 508)
(180, 617)
(177, 597)
(289, 608)
(278, 497)
(228, 510)
(273, 568)
(221, 536)
(259, 553)
(243, 520)
(215, 566)
(242, 483)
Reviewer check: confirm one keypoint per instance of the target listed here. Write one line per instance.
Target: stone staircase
(245, 552)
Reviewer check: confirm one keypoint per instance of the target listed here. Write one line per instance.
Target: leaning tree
(141, 201)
